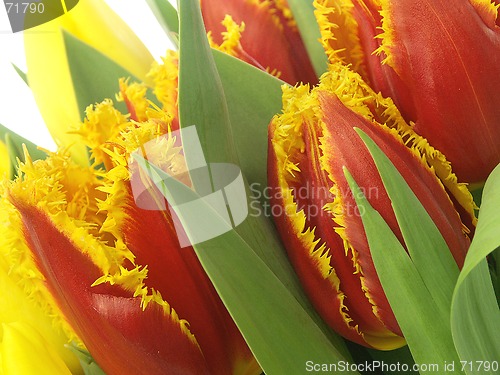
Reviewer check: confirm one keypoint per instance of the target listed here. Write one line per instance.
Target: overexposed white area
(18, 110)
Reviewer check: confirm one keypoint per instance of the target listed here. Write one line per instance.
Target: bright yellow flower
(23, 318)
(25, 351)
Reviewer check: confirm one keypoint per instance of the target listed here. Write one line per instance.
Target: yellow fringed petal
(165, 77)
(230, 38)
(18, 308)
(339, 36)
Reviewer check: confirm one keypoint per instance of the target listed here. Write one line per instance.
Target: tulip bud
(320, 223)
(262, 33)
(108, 268)
(439, 61)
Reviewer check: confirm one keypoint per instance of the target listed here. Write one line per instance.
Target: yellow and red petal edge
(120, 335)
(309, 144)
(143, 225)
(103, 266)
(439, 61)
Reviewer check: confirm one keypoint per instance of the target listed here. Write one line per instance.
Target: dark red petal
(349, 149)
(448, 54)
(178, 275)
(381, 77)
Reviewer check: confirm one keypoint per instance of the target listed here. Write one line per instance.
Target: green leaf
(95, 77)
(427, 334)
(477, 194)
(86, 361)
(397, 358)
(167, 16)
(202, 102)
(495, 272)
(428, 250)
(475, 315)
(280, 332)
(253, 97)
(303, 12)
(14, 144)
(21, 74)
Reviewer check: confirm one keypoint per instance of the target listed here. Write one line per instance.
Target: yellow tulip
(23, 323)
(24, 351)
(94, 23)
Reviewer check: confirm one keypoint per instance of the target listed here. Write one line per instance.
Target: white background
(18, 110)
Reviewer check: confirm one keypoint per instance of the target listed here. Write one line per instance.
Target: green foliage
(418, 285)
(167, 16)
(14, 143)
(475, 316)
(94, 77)
(86, 361)
(303, 12)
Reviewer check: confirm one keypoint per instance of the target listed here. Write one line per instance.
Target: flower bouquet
(299, 187)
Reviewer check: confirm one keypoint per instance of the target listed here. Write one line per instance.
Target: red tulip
(262, 33)
(319, 221)
(117, 275)
(440, 62)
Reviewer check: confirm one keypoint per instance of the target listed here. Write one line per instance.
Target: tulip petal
(18, 308)
(186, 285)
(339, 32)
(5, 164)
(132, 219)
(350, 35)
(121, 336)
(62, 255)
(328, 267)
(310, 144)
(25, 351)
(166, 85)
(270, 39)
(446, 53)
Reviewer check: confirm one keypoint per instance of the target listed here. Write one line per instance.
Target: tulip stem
(495, 273)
